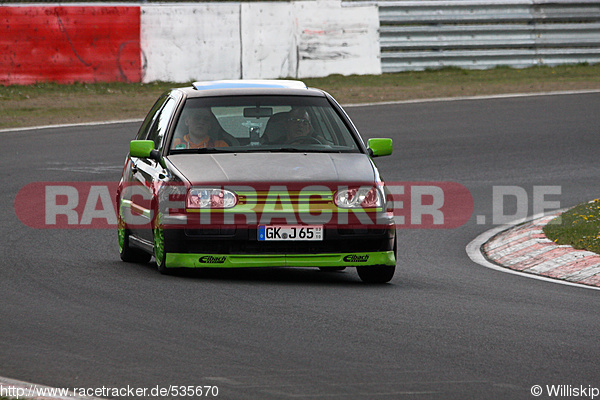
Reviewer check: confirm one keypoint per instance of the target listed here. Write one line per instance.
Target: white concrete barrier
(205, 41)
(268, 41)
(336, 40)
(187, 42)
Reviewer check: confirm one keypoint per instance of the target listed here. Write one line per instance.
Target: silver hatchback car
(232, 174)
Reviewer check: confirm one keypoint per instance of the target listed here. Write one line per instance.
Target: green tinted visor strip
(185, 260)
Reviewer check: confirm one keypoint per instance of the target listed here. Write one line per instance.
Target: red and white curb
(522, 248)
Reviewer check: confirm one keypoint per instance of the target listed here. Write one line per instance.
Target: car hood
(274, 167)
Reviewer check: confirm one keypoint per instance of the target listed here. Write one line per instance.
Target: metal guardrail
(417, 35)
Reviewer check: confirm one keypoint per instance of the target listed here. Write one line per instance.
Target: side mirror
(145, 149)
(141, 148)
(380, 147)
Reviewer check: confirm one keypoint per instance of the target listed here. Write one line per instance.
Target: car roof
(250, 88)
(249, 83)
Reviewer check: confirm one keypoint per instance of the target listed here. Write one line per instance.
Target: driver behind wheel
(299, 128)
(298, 124)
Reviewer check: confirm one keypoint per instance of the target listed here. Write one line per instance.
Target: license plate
(290, 232)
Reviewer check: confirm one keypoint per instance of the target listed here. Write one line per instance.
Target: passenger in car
(200, 124)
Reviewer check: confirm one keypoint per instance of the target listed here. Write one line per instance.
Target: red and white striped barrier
(184, 42)
(69, 44)
(526, 248)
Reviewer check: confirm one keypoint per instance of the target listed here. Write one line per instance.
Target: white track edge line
(383, 103)
(97, 123)
(36, 390)
(482, 97)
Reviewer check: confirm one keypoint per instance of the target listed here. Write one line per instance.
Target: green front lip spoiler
(185, 260)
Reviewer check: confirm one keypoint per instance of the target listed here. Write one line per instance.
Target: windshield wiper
(214, 150)
(309, 150)
(204, 150)
(287, 149)
(267, 149)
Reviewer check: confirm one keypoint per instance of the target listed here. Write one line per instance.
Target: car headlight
(362, 197)
(210, 198)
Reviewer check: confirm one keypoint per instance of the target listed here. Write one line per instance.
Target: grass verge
(50, 103)
(579, 227)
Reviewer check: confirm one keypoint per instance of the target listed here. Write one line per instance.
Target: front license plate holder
(303, 233)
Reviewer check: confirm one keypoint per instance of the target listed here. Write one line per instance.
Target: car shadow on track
(347, 277)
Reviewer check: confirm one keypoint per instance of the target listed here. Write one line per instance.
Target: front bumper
(193, 260)
(240, 248)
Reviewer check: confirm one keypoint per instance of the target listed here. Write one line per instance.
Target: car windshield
(261, 124)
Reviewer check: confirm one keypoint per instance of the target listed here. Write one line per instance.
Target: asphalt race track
(73, 315)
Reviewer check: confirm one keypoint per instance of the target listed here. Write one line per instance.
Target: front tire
(376, 273)
(128, 253)
(160, 255)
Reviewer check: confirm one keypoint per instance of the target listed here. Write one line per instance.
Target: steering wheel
(306, 139)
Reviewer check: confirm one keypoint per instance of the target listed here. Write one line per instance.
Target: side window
(151, 117)
(321, 124)
(161, 124)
